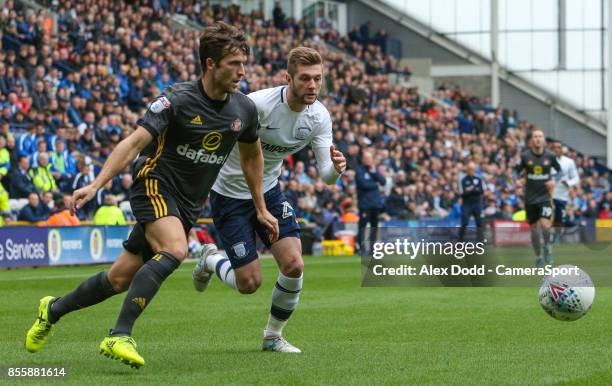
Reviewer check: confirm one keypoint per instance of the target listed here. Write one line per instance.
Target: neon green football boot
(122, 348)
(37, 334)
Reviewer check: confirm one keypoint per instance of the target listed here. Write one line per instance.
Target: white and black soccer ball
(567, 297)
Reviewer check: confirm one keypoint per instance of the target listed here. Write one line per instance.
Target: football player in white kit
(290, 118)
(565, 179)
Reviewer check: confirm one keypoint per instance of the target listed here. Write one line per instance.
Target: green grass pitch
(348, 334)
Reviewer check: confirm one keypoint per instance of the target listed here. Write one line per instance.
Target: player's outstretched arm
(124, 153)
(252, 163)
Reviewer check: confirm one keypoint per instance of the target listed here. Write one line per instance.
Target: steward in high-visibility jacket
(41, 174)
(109, 213)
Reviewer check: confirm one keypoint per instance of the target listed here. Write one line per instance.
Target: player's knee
(249, 285)
(178, 250)
(294, 267)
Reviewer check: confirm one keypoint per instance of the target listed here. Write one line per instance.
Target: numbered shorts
(236, 223)
(537, 211)
(560, 213)
(150, 200)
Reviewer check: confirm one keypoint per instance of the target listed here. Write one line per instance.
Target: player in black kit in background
(183, 140)
(536, 167)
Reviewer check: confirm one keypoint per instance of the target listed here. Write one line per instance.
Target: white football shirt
(569, 174)
(282, 132)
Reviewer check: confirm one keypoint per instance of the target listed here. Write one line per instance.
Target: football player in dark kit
(536, 165)
(183, 141)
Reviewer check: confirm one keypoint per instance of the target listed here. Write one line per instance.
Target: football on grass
(569, 296)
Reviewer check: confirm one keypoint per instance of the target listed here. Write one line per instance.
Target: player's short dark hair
(302, 55)
(533, 130)
(219, 40)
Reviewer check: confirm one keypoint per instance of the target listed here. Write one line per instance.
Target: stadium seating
(87, 85)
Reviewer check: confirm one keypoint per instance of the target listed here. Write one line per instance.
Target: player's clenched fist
(338, 159)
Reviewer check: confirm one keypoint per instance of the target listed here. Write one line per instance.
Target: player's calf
(547, 249)
(145, 285)
(119, 283)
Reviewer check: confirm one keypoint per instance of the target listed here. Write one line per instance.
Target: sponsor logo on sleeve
(160, 105)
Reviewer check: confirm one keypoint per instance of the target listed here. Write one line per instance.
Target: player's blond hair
(302, 55)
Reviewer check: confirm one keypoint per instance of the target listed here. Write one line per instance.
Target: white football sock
(223, 268)
(212, 260)
(285, 297)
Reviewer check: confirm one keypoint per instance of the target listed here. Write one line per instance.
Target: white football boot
(201, 276)
(278, 344)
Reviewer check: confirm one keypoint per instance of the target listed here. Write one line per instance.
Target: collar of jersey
(214, 102)
(284, 101)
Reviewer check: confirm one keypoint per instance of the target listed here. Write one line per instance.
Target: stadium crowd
(68, 98)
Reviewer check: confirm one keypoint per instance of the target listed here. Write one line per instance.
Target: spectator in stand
(40, 98)
(591, 211)
(87, 142)
(21, 183)
(122, 189)
(395, 205)
(300, 173)
(46, 200)
(41, 147)
(364, 32)
(41, 175)
(27, 142)
(278, 16)
(330, 217)
(101, 194)
(4, 199)
(109, 213)
(368, 179)
(83, 178)
(34, 211)
(11, 146)
(63, 166)
(102, 67)
(5, 158)
(61, 216)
